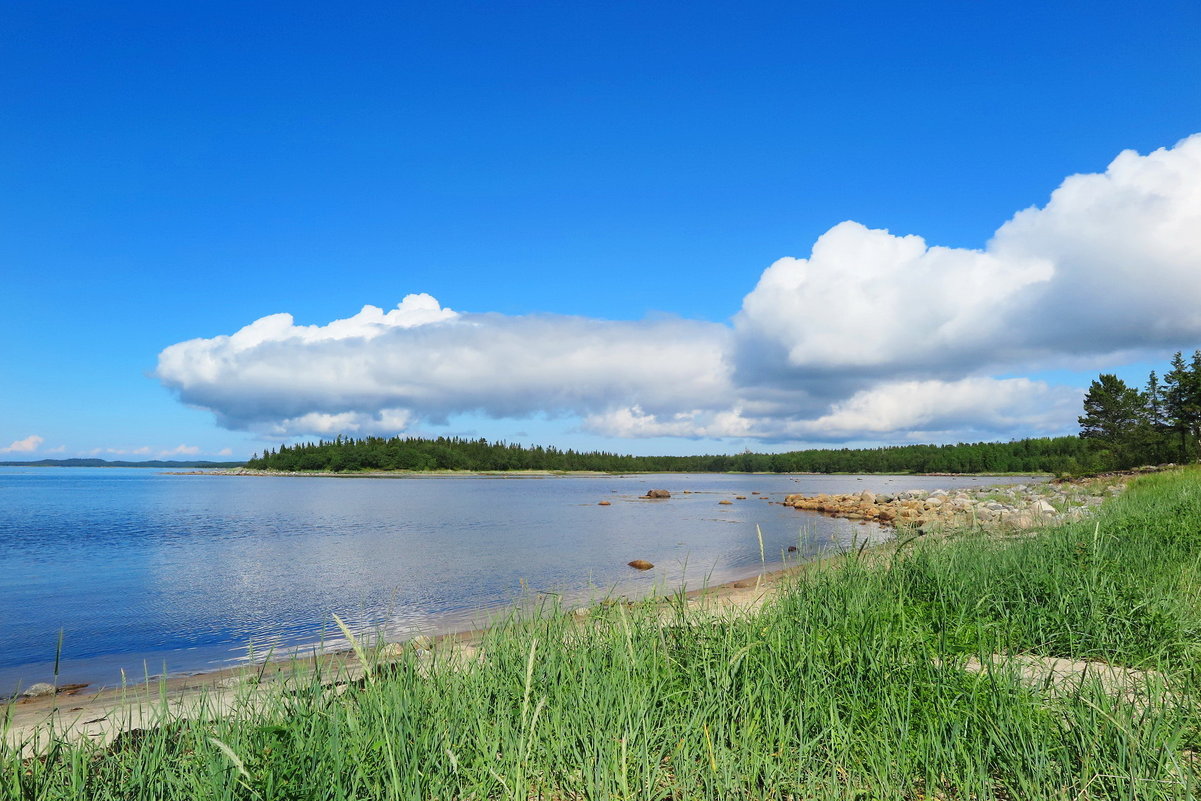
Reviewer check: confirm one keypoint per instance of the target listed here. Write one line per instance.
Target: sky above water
(648, 228)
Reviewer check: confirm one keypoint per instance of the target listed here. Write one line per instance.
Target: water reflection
(139, 568)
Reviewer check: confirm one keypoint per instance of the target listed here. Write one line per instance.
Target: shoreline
(103, 714)
(247, 472)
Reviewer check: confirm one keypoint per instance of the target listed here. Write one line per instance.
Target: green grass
(850, 684)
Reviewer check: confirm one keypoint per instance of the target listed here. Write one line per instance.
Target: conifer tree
(1113, 413)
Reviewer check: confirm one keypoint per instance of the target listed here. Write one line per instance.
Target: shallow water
(149, 573)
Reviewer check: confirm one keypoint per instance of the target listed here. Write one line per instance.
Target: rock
(39, 690)
(740, 497)
(657, 493)
(422, 643)
(580, 611)
(726, 503)
(640, 564)
(792, 549)
(1042, 507)
(744, 584)
(604, 503)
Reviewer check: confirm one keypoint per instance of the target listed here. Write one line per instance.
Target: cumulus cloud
(975, 406)
(281, 379)
(146, 451)
(27, 445)
(1111, 263)
(873, 335)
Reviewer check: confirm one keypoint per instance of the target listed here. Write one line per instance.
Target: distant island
(106, 463)
(348, 455)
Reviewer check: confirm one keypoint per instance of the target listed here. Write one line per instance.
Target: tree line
(1159, 423)
(343, 454)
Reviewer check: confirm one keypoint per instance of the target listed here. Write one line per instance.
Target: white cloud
(225, 452)
(27, 445)
(872, 336)
(146, 451)
(1112, 262)
(276, 382)
(987, 405)
(934, 410)
(180, 450)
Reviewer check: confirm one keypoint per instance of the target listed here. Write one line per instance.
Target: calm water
(151, 573)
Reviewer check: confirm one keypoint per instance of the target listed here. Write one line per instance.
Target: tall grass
(850, 684)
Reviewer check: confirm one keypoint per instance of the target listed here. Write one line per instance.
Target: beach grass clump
(911, 674)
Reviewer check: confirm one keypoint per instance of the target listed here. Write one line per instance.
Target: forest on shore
(1121, 427)
(1046, 455)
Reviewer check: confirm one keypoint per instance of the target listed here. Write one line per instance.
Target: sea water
(140, 573)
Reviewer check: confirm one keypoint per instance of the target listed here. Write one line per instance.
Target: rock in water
(39, 690)
(657, 494)
(640, 564)
(604, 503)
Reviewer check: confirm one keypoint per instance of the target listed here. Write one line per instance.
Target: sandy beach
(102, 715)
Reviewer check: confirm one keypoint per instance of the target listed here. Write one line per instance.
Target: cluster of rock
(1019, 506)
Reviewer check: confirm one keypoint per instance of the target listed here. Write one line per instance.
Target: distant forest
(1047, 455)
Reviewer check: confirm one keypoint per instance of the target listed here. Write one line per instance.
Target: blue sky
(174, 172)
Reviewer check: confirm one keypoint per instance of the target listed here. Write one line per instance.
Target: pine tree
(1113, 413)
(1181, 400)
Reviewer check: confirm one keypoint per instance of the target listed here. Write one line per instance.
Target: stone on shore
(1008, 507)
(39, 690)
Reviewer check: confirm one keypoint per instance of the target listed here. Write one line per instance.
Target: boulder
(39, 690)
(640, 564)
(657, 493)
(604, 503)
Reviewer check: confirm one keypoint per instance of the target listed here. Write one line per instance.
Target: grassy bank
(910, 675)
